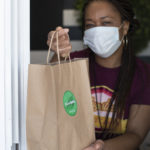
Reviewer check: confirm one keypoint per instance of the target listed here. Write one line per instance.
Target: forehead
(100, 9)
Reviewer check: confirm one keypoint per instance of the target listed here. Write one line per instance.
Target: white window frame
(14, 60)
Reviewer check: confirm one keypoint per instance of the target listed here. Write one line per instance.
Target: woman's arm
(137, 128)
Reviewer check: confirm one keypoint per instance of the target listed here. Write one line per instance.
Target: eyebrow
(106, 17)
(88, 19)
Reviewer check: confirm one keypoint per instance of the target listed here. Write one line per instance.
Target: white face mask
(103, 41)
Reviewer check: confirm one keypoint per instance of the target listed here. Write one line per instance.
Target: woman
(120, 83)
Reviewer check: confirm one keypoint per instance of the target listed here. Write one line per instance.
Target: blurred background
(47, 15)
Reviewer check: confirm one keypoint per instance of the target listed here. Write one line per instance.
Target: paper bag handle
(58, 52)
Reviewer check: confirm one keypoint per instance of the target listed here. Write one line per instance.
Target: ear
(126, 26)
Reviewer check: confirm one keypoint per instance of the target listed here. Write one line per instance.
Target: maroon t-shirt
(102, 87)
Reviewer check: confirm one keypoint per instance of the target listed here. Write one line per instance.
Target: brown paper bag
(59, 107)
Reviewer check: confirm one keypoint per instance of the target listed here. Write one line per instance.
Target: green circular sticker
(70, 103)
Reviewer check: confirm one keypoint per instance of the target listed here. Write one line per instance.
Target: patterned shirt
(102, 87)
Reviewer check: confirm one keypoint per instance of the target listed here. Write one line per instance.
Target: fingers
(89, 148)
(99, 144)
(58, 28)
(65, 52)
(64, 44)
(62, 33)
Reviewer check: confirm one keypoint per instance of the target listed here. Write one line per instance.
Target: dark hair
(127, 69)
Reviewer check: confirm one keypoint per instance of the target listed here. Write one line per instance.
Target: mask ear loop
(119, 29)
(126, 39)
(121, 25)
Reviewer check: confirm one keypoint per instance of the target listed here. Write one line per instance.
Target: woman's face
(102, 13)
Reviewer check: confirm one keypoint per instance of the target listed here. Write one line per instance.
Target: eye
(89, 25)
(107, 23)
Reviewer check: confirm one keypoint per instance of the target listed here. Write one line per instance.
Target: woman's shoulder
(142, 68)
(140, 62)
(142, 72)
(141, 83)
(80, 54)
